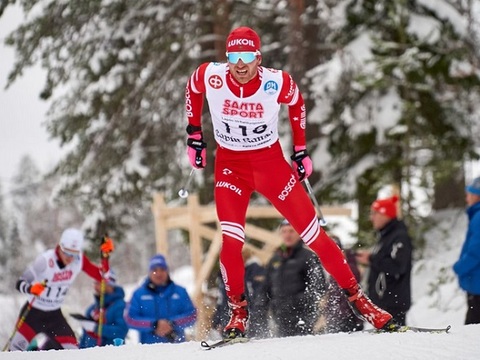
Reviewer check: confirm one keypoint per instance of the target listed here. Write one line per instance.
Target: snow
(461, 343)
(437, 302)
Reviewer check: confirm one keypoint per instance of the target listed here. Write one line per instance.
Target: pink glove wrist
(197, 150)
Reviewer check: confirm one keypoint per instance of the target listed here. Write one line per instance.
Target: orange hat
(386, 206)
(243, 39)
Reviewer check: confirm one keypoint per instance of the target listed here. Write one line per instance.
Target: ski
(407, 328)
(224, 342)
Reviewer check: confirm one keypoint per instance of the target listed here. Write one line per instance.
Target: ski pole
(183, 192)
(21, 320)
(102, 296)
(323, 222)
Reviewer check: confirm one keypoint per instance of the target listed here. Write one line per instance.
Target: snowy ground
(461, 344)
(437, 302)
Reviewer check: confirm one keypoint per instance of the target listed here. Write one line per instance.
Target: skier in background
(46, 282)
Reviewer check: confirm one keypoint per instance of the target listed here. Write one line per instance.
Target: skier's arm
(31, 275)
(194, 97)
(93, 270)
(291, 95)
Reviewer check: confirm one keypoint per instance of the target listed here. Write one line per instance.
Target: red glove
(37, 288)
(197, 150)
(302, 164)
(107, 246)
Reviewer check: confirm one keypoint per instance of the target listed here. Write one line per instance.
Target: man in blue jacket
(160, 310)
(114, 325)
(467, 267)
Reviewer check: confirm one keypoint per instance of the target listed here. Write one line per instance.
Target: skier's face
(243, 72)
(67, 257)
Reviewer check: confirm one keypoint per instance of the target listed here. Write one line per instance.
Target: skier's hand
(302, 164)
(37, 288)
(197, 150)
(107, 246)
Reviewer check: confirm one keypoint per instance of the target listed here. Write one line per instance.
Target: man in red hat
(244, 100)
(390, 260)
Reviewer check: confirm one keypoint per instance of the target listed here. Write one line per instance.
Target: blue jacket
(114, 325)
(151, 303)
(467, 267)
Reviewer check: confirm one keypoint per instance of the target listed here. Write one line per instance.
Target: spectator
(294, 285)
(113, 325)
(254, 278)
(160, 309)
(390, 260)
(467, 267)
(339, 315)
(47, 281)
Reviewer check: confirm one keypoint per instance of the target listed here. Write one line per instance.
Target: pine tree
(124, 65)
(395, 111)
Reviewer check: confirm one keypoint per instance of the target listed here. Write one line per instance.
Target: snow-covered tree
(117, 70)
(395, 101)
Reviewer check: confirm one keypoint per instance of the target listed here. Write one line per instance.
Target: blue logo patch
(271, 87)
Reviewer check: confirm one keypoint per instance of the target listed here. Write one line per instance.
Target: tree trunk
(450, 190)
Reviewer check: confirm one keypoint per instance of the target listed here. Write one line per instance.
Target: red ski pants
(237, 175)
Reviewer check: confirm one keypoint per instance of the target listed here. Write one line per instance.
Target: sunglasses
(246, 57)
(70, 254)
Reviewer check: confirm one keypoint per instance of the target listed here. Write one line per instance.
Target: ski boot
(237, 325)
(366, 310)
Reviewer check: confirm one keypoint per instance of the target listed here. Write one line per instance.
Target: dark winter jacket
(390, 268)
(294, 284)
(114, 325)
(467, 267)
(151, 303)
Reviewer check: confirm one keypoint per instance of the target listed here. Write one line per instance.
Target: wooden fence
(201, 223)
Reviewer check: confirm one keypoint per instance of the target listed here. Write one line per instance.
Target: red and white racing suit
(249, 158)
(44, 314)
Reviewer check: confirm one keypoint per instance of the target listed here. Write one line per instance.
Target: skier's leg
(291, 200)
(232, 194)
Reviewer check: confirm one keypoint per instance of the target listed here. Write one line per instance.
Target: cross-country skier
(47, 281)
(244, 100)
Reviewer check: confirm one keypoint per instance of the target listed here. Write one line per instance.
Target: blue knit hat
(474, 187)
(158, 261)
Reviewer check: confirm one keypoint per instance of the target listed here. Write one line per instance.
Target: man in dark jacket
(160, 310)
(390, 260)
(114, 325)
(294, 284)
